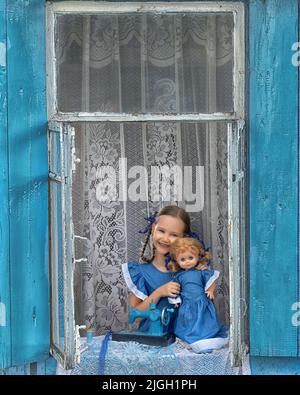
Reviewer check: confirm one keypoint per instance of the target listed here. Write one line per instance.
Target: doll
(197, 322)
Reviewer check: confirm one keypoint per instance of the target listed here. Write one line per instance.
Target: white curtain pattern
(112, 227)
(145, 63)
(139, 64)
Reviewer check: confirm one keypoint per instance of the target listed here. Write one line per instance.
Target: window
(136, 88)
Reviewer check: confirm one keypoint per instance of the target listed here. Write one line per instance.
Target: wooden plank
(275, 366)
(273, 177)
(47, 367)
(50, 366)
(86, 6)
(115, 117)
(5, 335)
(41, 368)
(28, 180)
(236, 242)
(23, 370)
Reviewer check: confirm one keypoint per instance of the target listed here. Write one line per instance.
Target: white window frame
(66, 354)
(89, 7)
(235, 120)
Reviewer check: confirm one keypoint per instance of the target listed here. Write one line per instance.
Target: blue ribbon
(167, 261)
(151, 219)
(102, 353)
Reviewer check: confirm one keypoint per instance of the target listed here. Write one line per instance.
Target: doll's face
(187, 259)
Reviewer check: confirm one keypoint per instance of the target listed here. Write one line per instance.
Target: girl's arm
(170, 289)
(210, 292)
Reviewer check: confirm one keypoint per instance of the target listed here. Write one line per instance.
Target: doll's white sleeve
(177, 299)
(210, 276)
(174, 300)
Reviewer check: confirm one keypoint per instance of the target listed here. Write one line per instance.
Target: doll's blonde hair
(183, 244)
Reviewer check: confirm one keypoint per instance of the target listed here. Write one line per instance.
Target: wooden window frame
(89, 7)
(235, 121)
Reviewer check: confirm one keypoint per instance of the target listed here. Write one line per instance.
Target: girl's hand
(210, 293)
(202, 267)
(171, 289)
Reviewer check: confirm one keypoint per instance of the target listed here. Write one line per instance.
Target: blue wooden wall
(273, 160)
(5, 335)
(24, 185)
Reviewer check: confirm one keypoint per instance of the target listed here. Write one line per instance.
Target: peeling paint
(2, 314)
(34, 316)
(2, 54)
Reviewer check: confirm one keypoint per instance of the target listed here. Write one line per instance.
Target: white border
(80, 7)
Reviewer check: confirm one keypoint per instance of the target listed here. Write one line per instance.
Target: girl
(197, 322)
(151, 281)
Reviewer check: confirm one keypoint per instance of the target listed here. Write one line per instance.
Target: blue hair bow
(167, 261)
(151, 220)
(194, 235)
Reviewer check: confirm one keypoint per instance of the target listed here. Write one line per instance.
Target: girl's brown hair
(187, 243)
(173, 211)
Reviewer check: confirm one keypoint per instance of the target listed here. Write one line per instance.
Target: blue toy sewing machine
(156, 335)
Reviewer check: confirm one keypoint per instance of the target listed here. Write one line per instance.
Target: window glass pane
(138, 63)
(111, 226)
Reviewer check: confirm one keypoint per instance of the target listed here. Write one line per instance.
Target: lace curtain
(145, 63)
(137, 64)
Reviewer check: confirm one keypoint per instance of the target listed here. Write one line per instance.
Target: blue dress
(144, 278)
(197, 321)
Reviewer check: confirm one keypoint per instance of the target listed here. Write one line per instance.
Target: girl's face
(187, 259)
(166, 231)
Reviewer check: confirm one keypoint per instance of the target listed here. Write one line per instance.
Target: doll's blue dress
(197, 321)
(144, 278)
